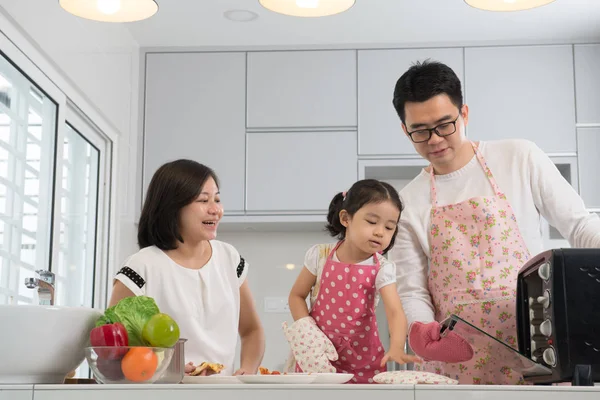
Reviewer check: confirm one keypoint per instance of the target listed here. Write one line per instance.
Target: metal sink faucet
(44, 285)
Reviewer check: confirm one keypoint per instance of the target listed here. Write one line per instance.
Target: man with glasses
(471, 220)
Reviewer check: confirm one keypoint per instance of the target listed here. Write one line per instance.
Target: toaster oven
(558, 320)
(558, 314)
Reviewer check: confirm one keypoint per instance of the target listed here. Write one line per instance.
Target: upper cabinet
(587, 83)
(379, 127)
(195, 108)
(522, 92)
(301, 89)
(299, 171)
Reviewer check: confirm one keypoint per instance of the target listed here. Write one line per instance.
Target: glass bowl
(128, 364)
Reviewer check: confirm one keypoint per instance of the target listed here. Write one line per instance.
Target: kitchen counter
(295, 392)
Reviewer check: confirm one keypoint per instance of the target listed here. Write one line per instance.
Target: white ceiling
(406, 23)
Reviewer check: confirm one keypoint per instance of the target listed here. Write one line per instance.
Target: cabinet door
(16, 394)
(195, 105)
(299, 171)
(522, 92)
(379, 127)
(587, 83)
(588, 148)
(302, 89)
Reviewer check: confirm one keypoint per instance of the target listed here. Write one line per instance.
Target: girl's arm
(297, 299)
(397, 326)
(251, 334)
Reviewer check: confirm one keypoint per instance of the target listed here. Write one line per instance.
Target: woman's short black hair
(173, 186)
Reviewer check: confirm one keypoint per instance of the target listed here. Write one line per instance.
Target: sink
(42, 344)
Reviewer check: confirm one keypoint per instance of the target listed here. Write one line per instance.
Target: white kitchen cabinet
(522, 92)
(224, 392)
(298, 171)
(379, 127)
(301, 89)
(498, 392)
(16, 392)
(195, 108)
(588, 148)
(587, 83)
(396, 172)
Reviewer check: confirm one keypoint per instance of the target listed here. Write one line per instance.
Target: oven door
(502, 352)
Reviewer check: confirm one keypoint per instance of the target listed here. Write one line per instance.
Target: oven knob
(544, 271)
(549, 357)
(546, 328)
(545, 299)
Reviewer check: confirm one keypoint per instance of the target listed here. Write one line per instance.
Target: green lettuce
(133, 313)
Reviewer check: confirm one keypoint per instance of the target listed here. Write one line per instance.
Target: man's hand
(426, 342)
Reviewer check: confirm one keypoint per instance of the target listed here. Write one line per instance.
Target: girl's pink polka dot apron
(476, 253)
(345, 312)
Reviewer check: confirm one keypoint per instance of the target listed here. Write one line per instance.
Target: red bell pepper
(110, 335)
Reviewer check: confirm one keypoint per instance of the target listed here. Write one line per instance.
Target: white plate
(332, 378)
(211, 380)
(277, 379)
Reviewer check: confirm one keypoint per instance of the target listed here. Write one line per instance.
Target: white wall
(103, 61)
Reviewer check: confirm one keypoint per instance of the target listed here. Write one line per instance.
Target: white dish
(278, 379)
(332, 378)
(211, 380)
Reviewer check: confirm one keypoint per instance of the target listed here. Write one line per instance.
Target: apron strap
(486, 169)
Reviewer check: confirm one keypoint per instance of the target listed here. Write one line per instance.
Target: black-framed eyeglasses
(423, 135)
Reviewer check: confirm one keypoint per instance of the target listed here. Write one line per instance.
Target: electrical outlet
(279, 305)
(276, 305)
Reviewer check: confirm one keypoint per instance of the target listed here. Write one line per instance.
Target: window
(27, 136)
(77, 223)
(55, 184)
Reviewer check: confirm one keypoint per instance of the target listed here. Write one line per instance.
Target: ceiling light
(290, 266)
(307, 8)
(111, 10)
(507, 5)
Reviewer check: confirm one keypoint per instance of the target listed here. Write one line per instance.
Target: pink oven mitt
(312, 349)
(426, 342)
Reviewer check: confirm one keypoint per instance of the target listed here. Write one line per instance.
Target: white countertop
(298, 392)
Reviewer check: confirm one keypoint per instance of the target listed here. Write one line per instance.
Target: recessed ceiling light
(290, 266)
(307, 8)
(507, 5)
(111, 10)
(240, 15)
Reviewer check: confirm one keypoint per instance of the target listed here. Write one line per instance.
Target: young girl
(347, 279)
(197, 280)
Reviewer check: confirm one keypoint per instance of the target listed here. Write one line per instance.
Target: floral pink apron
(345, 312)
(476, 253)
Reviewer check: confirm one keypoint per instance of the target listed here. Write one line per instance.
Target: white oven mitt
(413, 378)
(312, 349)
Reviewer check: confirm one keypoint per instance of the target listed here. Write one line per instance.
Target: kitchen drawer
(16, 393)
(464, 392)
(225, 392)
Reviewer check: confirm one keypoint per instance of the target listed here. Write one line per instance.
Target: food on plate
(143, 321)
(161, 331)
(139, 364)
(210, 368)
(265, 371)
(110, 335)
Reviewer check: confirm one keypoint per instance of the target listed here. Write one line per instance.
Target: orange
(139, 364)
